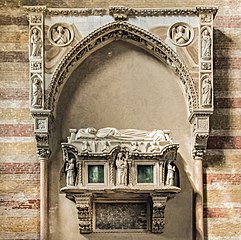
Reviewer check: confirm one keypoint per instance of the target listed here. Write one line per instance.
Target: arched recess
(126, 32)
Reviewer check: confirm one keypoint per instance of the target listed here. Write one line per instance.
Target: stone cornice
(129, 12)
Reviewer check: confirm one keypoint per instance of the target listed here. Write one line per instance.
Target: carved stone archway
(126, 32)
(199, 97)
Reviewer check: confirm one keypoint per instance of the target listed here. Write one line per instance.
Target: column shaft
(199, 198)
(43, 199)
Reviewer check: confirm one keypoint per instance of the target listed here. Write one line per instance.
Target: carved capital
(43, 153)
(198, 154)
(200, 129)
(42, 139)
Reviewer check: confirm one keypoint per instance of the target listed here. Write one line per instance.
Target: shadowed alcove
(121, 86)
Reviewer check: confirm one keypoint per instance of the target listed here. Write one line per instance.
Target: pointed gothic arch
(126, 32)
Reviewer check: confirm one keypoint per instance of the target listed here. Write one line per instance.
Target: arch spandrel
(126, 32)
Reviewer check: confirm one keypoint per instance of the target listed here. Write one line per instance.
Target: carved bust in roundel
(181, 34)
(61, 34)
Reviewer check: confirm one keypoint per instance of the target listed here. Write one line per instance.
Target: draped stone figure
(70, 173)
(36, 43)
(37, 93)
(122, 169)
(206, 92)
(206, 45)
(170, 175)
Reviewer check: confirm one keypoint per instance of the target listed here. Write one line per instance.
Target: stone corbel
(84, 209)
(158, 211)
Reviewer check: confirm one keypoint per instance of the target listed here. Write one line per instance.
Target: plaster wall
(121, 86)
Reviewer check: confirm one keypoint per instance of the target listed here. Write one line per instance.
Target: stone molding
(130, 12)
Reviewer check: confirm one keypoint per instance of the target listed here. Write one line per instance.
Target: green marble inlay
(96, 174)
(145, 173)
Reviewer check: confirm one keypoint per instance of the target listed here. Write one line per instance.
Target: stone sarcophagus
(120, 180)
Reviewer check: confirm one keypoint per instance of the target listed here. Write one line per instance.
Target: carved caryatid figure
(36, 43)
(206, 92)
(170, 175)
(122, 169)
(206, 45)
(70, 173)
(37, 93)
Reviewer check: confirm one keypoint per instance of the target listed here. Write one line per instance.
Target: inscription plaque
(121, 216)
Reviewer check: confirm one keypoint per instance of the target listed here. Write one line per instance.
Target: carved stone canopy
(134, 168)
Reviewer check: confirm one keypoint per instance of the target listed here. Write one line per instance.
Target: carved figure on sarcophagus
(71, 168)
(70, 172)
(170, 178)
(121, 168)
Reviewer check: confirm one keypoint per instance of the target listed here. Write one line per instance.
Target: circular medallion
(61, 34)
(181, 34)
